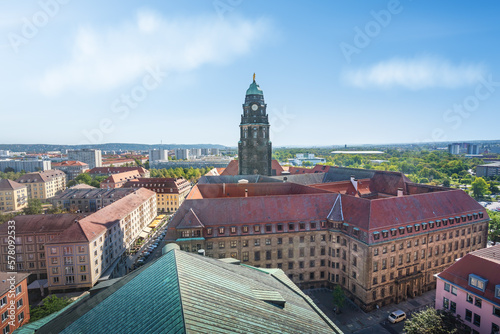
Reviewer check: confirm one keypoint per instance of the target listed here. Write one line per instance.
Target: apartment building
(43, 185)
(14, 303)
(108, 171)
(89, 156)
(32, 233)
(93, 246)
(88, 199)
(71, 168)
(13, 196)
(382, 239)
(118, 180)
(470, 289)
(25, 165)
(170, 192)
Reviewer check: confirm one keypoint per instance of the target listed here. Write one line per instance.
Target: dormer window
(445, 222)
(393, 232)
(497, 291)
(417, 227)
(438, 223)
(376, 235)
(221, 230)
(385, 233)
(480, 215)
(233, 229)
(477, 282)
(409, 228)
(244, 229)
(464, 218)
(424, 226)
(431, 224)
(401, 230)
(256, 228)
(452, 220)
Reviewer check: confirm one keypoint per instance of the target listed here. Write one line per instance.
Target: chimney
(246, 192)
(354, 182)
(400, 192)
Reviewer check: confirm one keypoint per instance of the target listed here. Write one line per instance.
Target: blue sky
(332, 72)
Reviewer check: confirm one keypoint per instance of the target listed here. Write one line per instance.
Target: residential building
(108, 171)
(170, 192)
(118, 180)
(488, 170)
(454, 149)
(472, 149)
(380, 238)
(14, 303)
(195, 152)
(44, 185)
(71, 168)
(93, 246)
(187, 293)
(4, 153)
(26, 165)
(32, 233)
(309, 158)
(182, 154)
(13, 196)
(89, 156)
(204, 162)
(254, 146)
(470, 289)
(88, 199)
(72, 251)
(157, 154)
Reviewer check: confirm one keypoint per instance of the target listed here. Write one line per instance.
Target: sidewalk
(354, 320)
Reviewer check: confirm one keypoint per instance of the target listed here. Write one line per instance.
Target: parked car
(397, 316)
(146, 254)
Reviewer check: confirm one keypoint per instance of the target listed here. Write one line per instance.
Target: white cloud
(417, 73)
(103, 60)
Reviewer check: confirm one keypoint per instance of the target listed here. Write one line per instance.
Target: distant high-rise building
(182, 154)
(195, 152)
(89, 156)
(454, 149)
(26, 165)
(472, 149)
(254, 147)
(157, 154)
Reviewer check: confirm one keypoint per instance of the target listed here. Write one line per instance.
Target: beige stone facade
(43, 185)
(13, 196)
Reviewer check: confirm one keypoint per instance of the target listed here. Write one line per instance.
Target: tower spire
(254, 77)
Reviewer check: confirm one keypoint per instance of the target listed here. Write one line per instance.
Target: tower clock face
(255, 107)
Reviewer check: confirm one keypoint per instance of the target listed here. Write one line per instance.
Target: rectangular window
(477, 282)
(233, 229)
(478, 302)
(221, 230)
(256, 242)
(496, 311)
(256, 256)
(244, 229)
(469, 298)
(446, 303)
(453, 307)
(256, 228)
(222, 244)
(453, 290)
(468, 315)
(232, 244)
(268, 241)
(245, 256)
(477, 320)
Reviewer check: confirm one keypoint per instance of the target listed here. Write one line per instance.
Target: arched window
(255, 132)
(263, 132)
(246, 132)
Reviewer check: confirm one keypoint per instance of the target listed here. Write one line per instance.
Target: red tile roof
(157, 184)
(232, 168)
(256, 209)
(484, 263)
(40, 224)
(122, 177)
(44, 176)
(90, 227)
(69, 163)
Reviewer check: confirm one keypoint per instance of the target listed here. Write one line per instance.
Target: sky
(332, 72)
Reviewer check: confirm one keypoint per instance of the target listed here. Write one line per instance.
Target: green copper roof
(254, 89)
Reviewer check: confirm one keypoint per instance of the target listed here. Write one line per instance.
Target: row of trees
(191, 174)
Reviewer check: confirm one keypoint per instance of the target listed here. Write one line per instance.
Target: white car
(397, 316)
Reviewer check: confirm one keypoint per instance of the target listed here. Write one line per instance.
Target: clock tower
(254, 147)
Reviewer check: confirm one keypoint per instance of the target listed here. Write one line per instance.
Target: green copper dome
(254, 89)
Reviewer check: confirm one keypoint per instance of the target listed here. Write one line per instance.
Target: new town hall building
(379, 236)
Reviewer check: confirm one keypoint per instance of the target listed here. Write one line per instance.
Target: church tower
(254, 147)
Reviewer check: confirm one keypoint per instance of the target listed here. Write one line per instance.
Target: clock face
(255, 107)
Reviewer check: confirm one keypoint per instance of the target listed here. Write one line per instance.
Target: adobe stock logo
(31, 26)
(122, 106)
(363, 37)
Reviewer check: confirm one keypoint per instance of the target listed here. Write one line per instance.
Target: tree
(432, 321)
(50, 305)
(446, 182)
(338, 297)
(9, 169)
(34, 207)
(480, 187)
(84, 178)
(494, 227)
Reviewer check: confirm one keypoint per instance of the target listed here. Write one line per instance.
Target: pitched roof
(187, 293)
(255, 209)
(232, 167)
(122, 177)
(40, 224)
(92, 193)
(82, 186)
(69, 163)
(190, 220)
(484, 263)
(115, 170)
(5, 283)
(6, 184)
(88, 228)
(41, 176)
